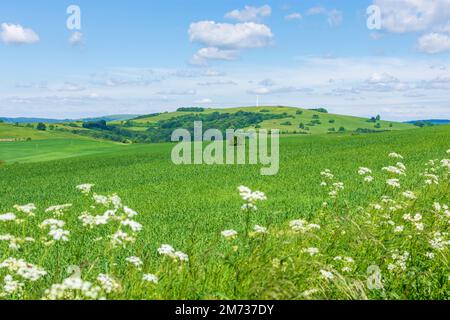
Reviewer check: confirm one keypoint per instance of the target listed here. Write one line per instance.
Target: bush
(321, 110)
(342, 129)
(332, 121)
(299, 112)
(191, 109)
(316, 116)
(286, 123)
(41, 126)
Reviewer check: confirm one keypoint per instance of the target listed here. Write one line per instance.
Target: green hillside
(291, 123)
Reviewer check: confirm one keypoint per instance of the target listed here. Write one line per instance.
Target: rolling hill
(314, 122)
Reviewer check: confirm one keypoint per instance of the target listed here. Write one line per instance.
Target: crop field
(347, 217)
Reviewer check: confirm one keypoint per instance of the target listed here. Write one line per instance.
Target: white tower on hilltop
(257, 101)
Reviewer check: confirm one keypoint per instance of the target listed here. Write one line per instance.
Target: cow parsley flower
(394, 183)
(169, 251)
(368, 179)
(12, 286)
(121, 238)
(135, 226)
(59, 234)
(363, 171)
(24, 269)
(58, 210)
(259, 229)
(395, 155)
(73, 289)
(108, 283)
(229, 234)
(150, 278)
(8, 217)
(301, 225)
(85, 188)
(250, 197)
(327, 274)
(311, 251)
(137, 262)
(27, 208)
(409, 195)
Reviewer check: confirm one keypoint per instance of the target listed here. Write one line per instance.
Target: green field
(189, 206)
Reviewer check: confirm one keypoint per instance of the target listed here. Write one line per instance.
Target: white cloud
(230, 36)
(250, 13)
(279, 90)
(212, 53)
(316, 10)
(293, 16)
(76, 39)
(334, 17)
(204, 101)
(16, 34)
(402, 16)
(434, 43)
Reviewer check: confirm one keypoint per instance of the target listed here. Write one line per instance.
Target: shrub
(286, 123)
(332, 121)
(41, 126)
(321, 110)
(299, 112)
(191, 109)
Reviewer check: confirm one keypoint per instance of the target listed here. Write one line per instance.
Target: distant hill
(33, 120)
(431, 121)
(119, 117)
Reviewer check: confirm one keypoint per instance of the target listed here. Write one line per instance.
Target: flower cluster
(251, 198)
(169, 251)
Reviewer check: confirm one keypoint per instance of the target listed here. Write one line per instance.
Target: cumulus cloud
(224, 41)
(293, 16)
(230, 36)
(384, 82)
(250, 13)
(334, 17)
(402, 16)
(16, 34)
(204, 101)
(434, 43)
(279, 90)
(212, 53)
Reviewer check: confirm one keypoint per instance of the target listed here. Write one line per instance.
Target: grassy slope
(349, 122)
(188, 206)
(48, 145)
(8, 131)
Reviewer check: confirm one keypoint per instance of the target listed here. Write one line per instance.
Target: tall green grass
(189, 206)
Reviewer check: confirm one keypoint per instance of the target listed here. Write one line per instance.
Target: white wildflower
(394, 183)
(409, 195)
(136, 261)
(363, 171)
(395, 155)
(8, 217)
(85, 188)
(150, 278)
(327, 274)
(27, 209)
(108, 283)
(311, 251)
(229, 234)
(259, 229)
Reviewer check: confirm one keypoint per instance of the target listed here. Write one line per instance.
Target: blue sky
(148, 56)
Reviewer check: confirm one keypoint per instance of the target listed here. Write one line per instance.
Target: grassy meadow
(315, 238)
